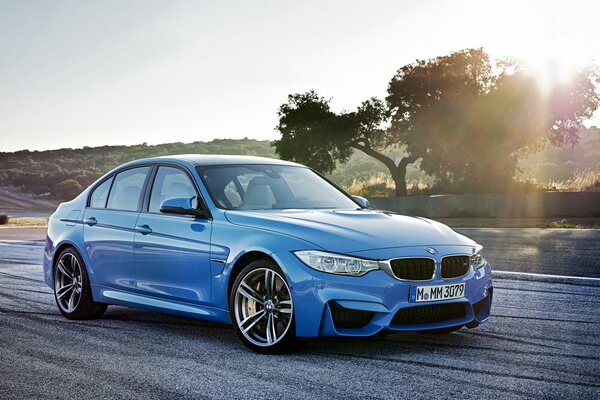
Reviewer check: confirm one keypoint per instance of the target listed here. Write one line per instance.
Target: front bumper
(334, 305)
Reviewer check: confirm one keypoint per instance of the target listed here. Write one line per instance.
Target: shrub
(67, 190)
(3, 219)
(379, 185)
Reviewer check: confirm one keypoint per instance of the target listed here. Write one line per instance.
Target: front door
(172, 252)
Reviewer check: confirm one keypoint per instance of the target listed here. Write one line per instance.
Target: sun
(550, 39)
(552, 68)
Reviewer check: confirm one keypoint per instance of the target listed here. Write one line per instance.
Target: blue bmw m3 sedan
(271, 247)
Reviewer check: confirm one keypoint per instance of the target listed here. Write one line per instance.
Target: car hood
(349, 231)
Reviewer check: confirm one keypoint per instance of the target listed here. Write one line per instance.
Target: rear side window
(127, 189)
(169, 183)
(100, 194)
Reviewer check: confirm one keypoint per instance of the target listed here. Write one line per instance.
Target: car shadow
(200, 331)
(390, 343)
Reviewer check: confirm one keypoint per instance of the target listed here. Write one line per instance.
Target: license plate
(437, 292)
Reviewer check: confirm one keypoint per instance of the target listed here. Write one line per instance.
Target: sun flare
(550, 40)
(552, 69)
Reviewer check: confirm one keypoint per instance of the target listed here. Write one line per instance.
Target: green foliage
(311, 133)
(437, 88)
(314, 135)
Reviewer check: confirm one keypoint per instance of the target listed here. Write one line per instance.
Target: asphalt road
(542, 342)
(571, 252)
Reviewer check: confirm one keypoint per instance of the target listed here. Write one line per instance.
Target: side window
(126, 191)
(100, 194)
(170, 183)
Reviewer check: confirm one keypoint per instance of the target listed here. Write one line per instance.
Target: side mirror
(181, 206)
(364, 203)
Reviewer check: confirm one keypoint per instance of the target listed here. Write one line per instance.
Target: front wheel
(262, 309)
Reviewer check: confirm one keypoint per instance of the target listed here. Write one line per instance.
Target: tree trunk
(399, 177)
(398, 172)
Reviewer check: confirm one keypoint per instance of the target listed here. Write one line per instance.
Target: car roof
(217, 159)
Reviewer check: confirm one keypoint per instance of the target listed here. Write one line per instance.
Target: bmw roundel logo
(431, 251)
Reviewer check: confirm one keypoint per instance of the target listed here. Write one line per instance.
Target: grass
(381, 185)
(582, 181)
(25, 222)
(564, 223)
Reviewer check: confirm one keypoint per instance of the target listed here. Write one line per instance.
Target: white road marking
(546, 275)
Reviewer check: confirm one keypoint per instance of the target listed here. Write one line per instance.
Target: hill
(61, 174)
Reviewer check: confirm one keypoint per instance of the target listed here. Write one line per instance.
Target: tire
(441, 331)
(72, 290)
(263, 315)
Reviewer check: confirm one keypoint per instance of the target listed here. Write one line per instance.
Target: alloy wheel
(263, 307)
(68, 282)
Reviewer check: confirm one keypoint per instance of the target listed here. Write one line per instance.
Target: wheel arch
(62, 246)
(240, 264)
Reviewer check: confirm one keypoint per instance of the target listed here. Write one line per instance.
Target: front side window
(100, 194)
(263, 187)
(127, 189)
(170, 183)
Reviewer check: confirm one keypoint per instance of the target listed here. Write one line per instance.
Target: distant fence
(512, 205)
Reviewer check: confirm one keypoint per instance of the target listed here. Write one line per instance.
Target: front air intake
(429, 314)
(345, 318)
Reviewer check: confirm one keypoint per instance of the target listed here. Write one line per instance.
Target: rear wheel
(72, 289)
(262, 309)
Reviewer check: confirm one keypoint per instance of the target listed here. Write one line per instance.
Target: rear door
(109, 227)
(172, 252)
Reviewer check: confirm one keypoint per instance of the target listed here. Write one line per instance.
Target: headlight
(477, 259)
(336, 263)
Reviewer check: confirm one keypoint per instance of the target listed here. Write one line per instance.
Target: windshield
(266, 187)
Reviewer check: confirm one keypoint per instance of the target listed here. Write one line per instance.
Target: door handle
(143, 229)
(91, 221)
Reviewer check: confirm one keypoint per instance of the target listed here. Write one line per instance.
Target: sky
(92, 73)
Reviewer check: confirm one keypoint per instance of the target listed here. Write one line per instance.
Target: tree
(468, 120)
(471, 122)
(314, 135)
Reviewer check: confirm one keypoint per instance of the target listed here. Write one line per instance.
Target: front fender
(231, 242)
